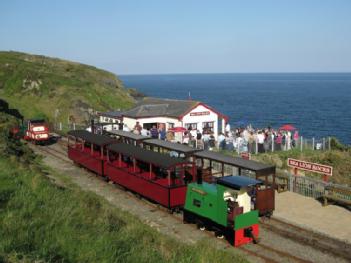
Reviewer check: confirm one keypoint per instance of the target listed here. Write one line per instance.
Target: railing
(272, 146)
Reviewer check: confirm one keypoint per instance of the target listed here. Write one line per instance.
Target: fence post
(324, 144)
(301, 144)
(60, 126)
(313, 143)
(256, 146)
(273, 144)
(329, 145)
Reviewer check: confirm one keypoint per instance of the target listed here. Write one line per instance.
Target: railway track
(261, 251)
(308, 237)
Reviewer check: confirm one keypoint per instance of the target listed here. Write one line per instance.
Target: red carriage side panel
(84, 158)
(152, 189)
(177, 196)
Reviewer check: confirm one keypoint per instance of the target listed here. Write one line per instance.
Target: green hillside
(55, 88)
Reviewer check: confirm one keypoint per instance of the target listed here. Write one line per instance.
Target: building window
(106, 119)
(191, 126)
(170, 125)
(208, 126)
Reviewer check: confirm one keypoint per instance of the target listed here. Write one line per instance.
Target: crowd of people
(245, 139)
(257, 140)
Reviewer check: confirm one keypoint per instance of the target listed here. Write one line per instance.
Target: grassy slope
(39, 85)
(41, 221)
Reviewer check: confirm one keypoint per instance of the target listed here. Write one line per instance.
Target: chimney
(92, 126)
(199, 175)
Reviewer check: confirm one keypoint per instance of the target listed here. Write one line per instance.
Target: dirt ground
(307, 212)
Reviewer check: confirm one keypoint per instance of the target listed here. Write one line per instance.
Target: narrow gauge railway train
(224, 206)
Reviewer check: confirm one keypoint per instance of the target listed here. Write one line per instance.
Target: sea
(317, 104)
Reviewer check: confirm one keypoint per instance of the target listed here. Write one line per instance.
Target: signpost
(326, 170)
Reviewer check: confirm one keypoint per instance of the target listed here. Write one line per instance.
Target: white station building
(170, 114)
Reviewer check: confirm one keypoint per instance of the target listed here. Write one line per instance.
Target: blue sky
(145, 37)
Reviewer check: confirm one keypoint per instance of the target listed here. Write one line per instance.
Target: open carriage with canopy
(157, 177)
(88, 149)
(212, 165)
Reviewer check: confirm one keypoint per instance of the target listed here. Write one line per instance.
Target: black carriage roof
(96, 139)
(237, 182)
(37, 120)
(128, 135)
(236, 161)
(158, 159)
(171, 146)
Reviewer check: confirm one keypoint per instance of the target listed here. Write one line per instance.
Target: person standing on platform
(288, 140)
(144, 132)
(186, 138)
(260, 142)
(154, 132)
(251, 142)
(206, 139)
(170, 136)
(227, 128)
(221, 141)
(126, 128)
(137, 128)
(162, 134)
(295, 138)
(211, 142)
(278, 142)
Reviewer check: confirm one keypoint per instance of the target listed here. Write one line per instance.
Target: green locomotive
(225, 207)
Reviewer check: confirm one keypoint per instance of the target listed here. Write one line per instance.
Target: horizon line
(224, 73)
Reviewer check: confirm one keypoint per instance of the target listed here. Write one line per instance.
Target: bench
(337, 194)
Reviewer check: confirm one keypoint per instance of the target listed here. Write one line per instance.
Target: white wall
(131, 122)
(211, 117)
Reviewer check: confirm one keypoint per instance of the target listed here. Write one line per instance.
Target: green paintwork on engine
(245, 220)
(207, 201)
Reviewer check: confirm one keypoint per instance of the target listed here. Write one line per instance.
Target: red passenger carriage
(158, 177)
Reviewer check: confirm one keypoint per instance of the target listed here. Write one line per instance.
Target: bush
(335, 144)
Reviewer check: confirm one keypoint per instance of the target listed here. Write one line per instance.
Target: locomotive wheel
(219, 235)
(106, 179)
(201, 226)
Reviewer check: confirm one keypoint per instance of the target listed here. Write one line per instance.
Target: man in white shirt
(125, 128)
(260, 141)
(227, 127)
